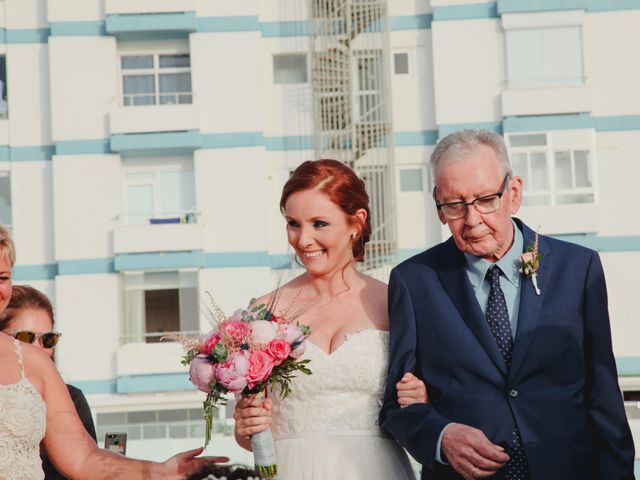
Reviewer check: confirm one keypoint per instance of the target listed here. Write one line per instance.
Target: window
(369, 87)
(156, 79)
(290, 68)
(544, 49)
(159, 190)
(4, 111)
(5, 199)
(411, 180)
(159, 303)
(376, 180)
(557, 168)
(401, 63)
(158, 424)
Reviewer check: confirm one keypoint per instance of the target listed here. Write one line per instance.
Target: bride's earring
(354, 236)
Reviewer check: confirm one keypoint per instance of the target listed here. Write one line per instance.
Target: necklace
(285, 312)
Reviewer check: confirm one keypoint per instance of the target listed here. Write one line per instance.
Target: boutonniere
(530, 262)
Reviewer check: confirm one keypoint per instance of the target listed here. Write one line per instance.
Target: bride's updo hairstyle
(341, 185)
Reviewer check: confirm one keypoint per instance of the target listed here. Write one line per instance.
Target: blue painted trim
(27, 35)
(23, 273)
(31, 154)
(466, 12)
(95, 387)
(547, 122)
(516, 6)
(444, 130)
(410, 22)
(86, 266)
(80, 147)
(232, 140)
(284, 29)
(604, 244)
(148, 261)
(162, 382)
(77, 29)
(164, 22)
(405, 253)
(246, 23)
(149, 143)
(5, 153)
(291, 142)
(636, 469)
(628, 366)
(410, 139)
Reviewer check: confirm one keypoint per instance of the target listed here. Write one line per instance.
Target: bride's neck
(336, 282)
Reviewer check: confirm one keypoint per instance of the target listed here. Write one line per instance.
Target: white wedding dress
(327, 428)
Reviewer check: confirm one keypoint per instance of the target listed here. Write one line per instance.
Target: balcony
(145, 7)
(154, 118)
(126, 17)
(158, 237)
(547, 101)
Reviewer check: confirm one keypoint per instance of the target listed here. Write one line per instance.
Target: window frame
(551, 148)
(290, 54)
(155, 71)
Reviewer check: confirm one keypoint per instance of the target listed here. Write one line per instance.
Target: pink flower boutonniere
(530, 262)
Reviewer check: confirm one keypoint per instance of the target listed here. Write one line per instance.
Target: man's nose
(473, 217)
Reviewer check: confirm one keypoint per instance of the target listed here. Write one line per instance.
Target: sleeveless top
(343, 394)
(22, 427)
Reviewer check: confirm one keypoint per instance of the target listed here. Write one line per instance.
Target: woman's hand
(186, 463)
(252, 415)
(411, 390)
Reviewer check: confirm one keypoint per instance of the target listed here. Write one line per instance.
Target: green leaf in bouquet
(188, 357)
(257, 308)
(219, 353)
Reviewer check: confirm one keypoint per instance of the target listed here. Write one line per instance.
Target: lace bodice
(342, 395)
(22, 427)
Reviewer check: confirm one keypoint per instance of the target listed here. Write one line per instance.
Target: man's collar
(477, 267)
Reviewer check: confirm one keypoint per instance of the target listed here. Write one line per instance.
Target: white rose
(290, 333)
(263, 331)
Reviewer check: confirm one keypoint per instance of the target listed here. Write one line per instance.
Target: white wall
(26, 14)
(87, 199)
(611, 40)
(469, 70)
(88, 309)
(32, 205)
(28, 94)
(413, 95)
(231, 192)
(83, 86)
(75, 10)
(225, 84)
(623, 301)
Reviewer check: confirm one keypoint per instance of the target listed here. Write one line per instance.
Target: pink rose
(528, 257)
(260, 367)
(263, 331)
(238, 330)
(299, 350)
(202, 373)
(209, 344)
(232, 373)
(279, 350)
(290, 333)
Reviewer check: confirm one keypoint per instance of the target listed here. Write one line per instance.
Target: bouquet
(244, 354)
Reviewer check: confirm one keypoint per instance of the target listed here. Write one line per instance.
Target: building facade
(143, 146)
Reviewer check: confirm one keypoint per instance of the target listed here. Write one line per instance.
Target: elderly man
(520, 371)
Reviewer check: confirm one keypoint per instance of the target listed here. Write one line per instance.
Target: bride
(328, 426)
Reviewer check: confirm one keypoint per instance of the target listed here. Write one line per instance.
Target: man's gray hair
(457, 145)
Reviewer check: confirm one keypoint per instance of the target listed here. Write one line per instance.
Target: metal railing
(156, 98)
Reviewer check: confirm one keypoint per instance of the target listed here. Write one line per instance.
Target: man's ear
(515, 194)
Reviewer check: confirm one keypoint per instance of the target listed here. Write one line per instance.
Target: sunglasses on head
(46, 339)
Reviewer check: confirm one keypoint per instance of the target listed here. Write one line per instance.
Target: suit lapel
(530, 302)
(455, 281)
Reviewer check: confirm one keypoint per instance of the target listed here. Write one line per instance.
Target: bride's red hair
(343, 187)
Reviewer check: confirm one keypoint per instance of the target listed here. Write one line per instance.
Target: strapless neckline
(349, 337)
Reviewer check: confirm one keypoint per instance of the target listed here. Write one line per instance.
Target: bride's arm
(71, 449)
(252, 415)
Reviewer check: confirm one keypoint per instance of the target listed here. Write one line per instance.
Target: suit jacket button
(513, 393)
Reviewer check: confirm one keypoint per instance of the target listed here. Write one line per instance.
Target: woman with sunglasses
(34, 399)
(29, 318)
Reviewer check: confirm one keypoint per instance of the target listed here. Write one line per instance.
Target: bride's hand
(411, 390)
(252, 415)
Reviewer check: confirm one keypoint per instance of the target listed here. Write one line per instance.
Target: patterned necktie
(498, 320)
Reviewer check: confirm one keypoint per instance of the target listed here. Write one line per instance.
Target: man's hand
(470, 452)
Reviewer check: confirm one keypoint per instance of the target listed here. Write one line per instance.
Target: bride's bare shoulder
(283, 295)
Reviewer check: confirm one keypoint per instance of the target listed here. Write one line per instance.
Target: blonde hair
(7, 247)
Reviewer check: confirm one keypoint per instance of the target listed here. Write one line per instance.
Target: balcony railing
(156, 98)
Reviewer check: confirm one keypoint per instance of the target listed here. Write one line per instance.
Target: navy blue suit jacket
(562, 387)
